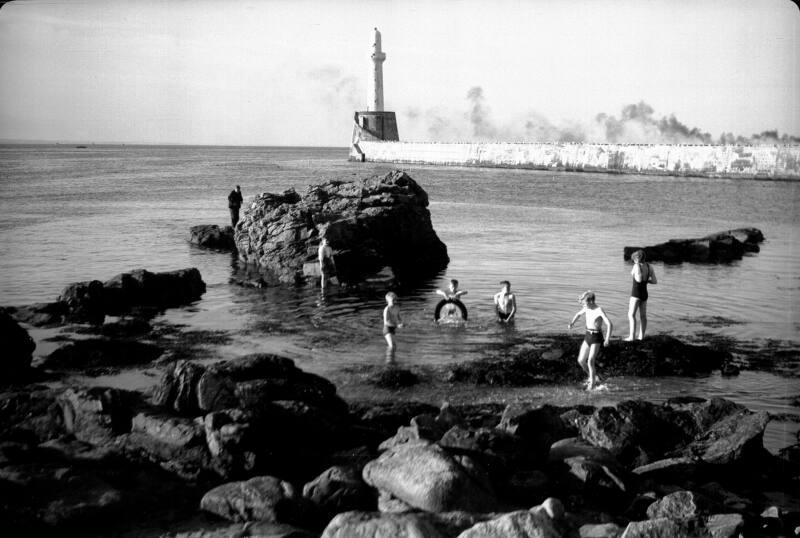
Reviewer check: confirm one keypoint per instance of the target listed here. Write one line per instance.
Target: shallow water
(69, 214)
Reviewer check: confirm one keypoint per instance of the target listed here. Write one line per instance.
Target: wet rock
(98, 414)
(635, 432)
(521, 370)
(100, 352)
(340, 489)
(126, 328)
(537, 427)
(381, 221)
(17, 347)
(232, 441)
(379, 525)
(679, 505)
(499, 452)
(263, 498)
(428, 478)
(84, 300)
(40, 314)
(725, 525)
(731, 440)
(519, 524)
(600, 530)
(176, 431)
(213, 237)
(257, 529)
(386, 417)
(719, 247)
(177, 388)
(161, 290)
(393, 378)
(602, 484)
(666, 528)
(31, 415)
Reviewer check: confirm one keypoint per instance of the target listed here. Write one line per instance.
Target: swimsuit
(503, 316)
(327, 265)
(389, 329)
(593, 336)
(639, 290)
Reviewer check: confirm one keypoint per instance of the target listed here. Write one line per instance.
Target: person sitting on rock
(642, 274)
(391, 322)
(327, 266)
(234, 203)
(505, 303)
(590, 347)
(452, 294)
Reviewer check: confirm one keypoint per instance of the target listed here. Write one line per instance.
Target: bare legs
(634, 306)
(391, 347)
(586, 358)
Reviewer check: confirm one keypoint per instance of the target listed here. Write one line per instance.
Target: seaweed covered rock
(719, 247)
(373, 223)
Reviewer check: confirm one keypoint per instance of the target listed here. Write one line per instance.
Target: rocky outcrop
(213, 237)
(658, 355)
(138, 290)
(99, 353)
(262, 498)
(719, 247)
(17, 347)
(372, 223)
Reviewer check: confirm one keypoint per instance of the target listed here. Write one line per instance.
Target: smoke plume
(636, 123)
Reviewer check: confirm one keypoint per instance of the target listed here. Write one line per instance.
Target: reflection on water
(70, 215)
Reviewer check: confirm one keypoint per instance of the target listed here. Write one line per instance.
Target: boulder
(666, 528)
(97, 415)
(379, 525)
(84, 300)
(160, 290)
(255, 529)
(40, 314)
(262, 498)
(679, 505)
(233, 442)
(427, 477)
(499, 452)
(538, 427)
(519, 524)
(600, 530)
(725, 525)
(340, 489)
(372, 223)
(386, 417)
(31, 415)
(177, 388)
(99, 353)
(213, 237)
(719, 247)
(17, 347)
(735, 439)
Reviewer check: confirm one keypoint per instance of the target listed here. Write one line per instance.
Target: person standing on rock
(505, 303)
(327, 267)
(234, 203)
(391, 322)
(642, 274)
(590, 347)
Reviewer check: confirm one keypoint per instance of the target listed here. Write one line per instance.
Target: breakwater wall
(775, 161)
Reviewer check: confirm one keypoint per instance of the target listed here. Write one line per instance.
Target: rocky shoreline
(258, 447)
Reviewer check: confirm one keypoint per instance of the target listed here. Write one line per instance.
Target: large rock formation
(372, 223)
(719, 247)
(212, 236)
(18, 347)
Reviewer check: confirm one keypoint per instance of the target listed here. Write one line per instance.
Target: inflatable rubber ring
(438, 310)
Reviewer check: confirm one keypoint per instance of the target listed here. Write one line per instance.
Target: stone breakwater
(373, 225)
(776, 162)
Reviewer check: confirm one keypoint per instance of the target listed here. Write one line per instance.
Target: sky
(292, 72)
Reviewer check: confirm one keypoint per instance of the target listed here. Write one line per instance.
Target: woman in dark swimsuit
(642, 274)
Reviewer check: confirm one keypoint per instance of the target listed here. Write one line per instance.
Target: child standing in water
(391, 322)
(590, 347)
(505, 303)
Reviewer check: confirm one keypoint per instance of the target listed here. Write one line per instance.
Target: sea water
(69, 214)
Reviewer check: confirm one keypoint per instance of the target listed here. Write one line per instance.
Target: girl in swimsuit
(590, 347)
(642, 274)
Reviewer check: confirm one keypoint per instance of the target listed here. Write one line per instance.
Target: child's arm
(440, 292)
(399, 319)
(608, 324)
(651, 277)
(459, 293)
(386, 316)
(575, 318)
(513, 306)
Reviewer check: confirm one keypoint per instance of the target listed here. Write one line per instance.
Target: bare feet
(629, 339)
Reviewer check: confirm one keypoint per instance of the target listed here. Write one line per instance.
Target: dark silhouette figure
(234, 203)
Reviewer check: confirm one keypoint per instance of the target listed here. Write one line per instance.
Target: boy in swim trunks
(391, 322)
(590, 347)
(505, 303)
(452, 294)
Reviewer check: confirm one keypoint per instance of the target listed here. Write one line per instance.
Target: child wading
(391, 322)
(590, 347)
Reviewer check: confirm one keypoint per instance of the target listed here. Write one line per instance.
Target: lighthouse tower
(374, 123)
